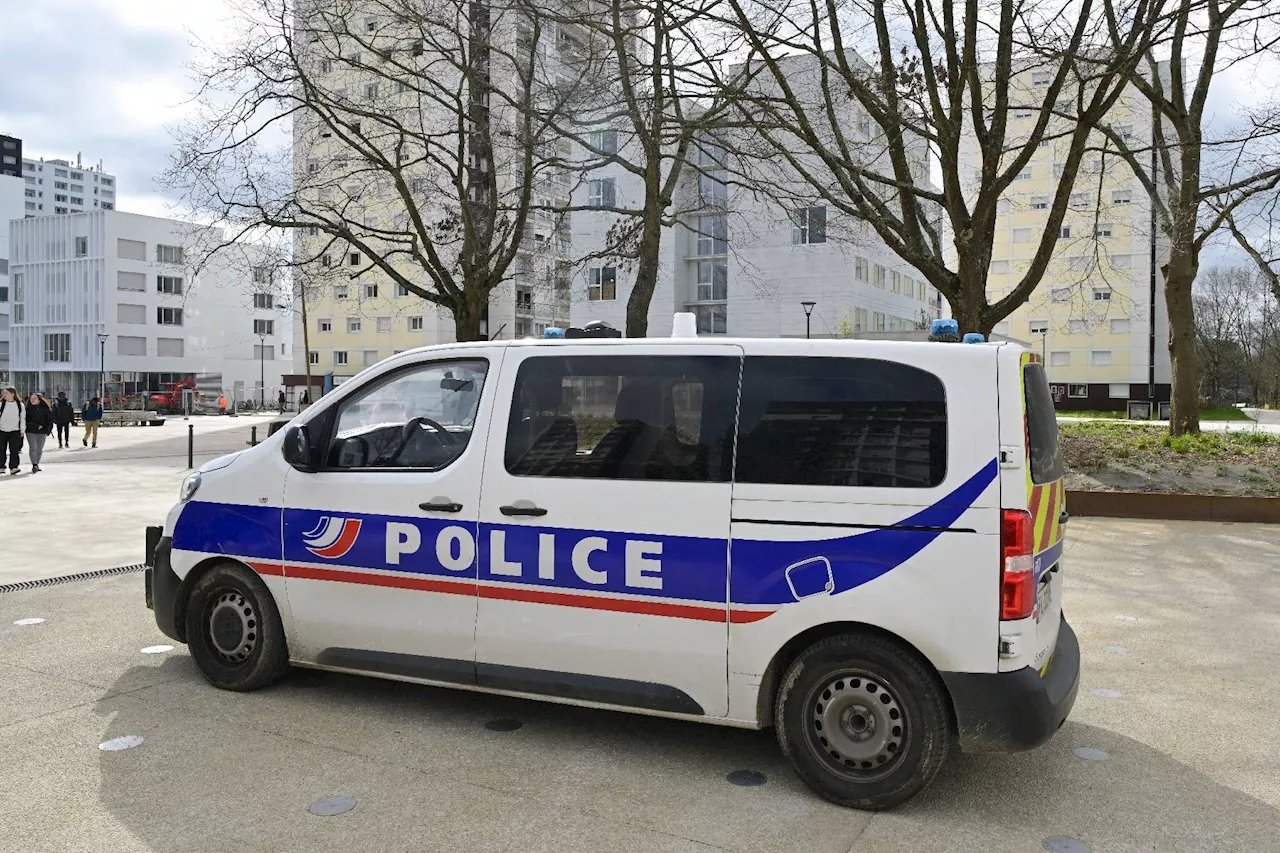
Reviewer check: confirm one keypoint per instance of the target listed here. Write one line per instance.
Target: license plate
(1044, 600)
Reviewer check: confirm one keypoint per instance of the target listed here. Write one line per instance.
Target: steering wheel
(407, 432)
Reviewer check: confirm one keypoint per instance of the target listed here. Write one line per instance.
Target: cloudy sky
(107, 79)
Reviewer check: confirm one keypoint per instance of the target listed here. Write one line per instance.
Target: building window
(171, 347)
(169, 284)
(1065, 232)
(713, 281)
(169, 316)
(877, 275)
(353, 324)
(339, 292)
(1041, 78)
(1038, 327)
(324, 325)
(263, 300)
(895, 281)
(130, 345)
(169, 254)
(841, 422)
(415, 324)
(261, 275)
(860, 269)
(1077, 391)
(401, 291)
(1060, 359)
(1077, 327)
(57, 347)
(77, 200)
(1103, 229)
(264, 352)
(369, 357)
(602, 284)
(82, 247)
(60, 197)
(1121, 197)
(339, 356)
(1022, 235)
(711, 319)
(371, 291)
(1025, 174)
(1060, 294)
(4, 294)
(1121, 262)
(1101, 294)
(264, 327)
(1118, 390)
(877, 321)
(1039, 202)
(713, 235)
(60, 185)
(384, 324)
(1120, 327)
(604, 141)
(602, 192)
(353, 259)
(1100, 358)
(809, 225)
(313, 357)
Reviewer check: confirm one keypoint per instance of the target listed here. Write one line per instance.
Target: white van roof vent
(685, 325)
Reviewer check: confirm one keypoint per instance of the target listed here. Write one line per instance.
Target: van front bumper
(1012, 711)
(162, 589)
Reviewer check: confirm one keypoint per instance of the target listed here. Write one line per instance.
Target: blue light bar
(944, 330)
(973, 338)
(552, 332)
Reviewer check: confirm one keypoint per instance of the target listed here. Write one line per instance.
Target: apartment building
(1098, 316)
(11, 198)
(746, 263)
(10, 156)
(118, 296)
(358, 315)
(61, 186)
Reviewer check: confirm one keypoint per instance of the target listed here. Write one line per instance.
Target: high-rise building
(1098, 315)
(60, 186)
(11, 189)
(117, 298)
(10, 156)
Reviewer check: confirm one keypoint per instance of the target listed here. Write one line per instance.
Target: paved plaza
(1172, 746)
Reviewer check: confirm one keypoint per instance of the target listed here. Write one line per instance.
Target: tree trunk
(646, 275)
(1179, 273)
(468, 312)
(306, 338)
(968, 306)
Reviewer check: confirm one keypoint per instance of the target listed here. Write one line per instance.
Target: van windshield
(1042, 426)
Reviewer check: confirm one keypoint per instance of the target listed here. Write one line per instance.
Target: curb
(1174, 507)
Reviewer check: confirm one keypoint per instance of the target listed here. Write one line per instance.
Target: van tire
(886, 712)
(234, 631)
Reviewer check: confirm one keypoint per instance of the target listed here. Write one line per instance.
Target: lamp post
(262, 371)
(102, 365)
(808, 312)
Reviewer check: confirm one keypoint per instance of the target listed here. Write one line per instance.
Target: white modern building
(11, 202)
(127, 296)
(63, 186)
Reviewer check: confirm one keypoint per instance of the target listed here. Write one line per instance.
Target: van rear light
(1017, 573)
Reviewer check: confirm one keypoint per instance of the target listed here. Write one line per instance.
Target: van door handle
(522, 510)
(1063, 518)
(441, 506)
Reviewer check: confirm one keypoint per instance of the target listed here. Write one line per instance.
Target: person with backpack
(91, 414)
(63, 415)
(39, 425)
(11, 425)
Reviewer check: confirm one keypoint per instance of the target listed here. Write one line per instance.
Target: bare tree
(977, 87)
(1195, 179)
(396, 140)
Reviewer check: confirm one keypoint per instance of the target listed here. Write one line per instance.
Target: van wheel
(862, 721)
(234, 631)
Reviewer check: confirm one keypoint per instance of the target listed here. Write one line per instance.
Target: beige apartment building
(1098, 316)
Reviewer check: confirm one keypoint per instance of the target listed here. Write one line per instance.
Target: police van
(857, 543)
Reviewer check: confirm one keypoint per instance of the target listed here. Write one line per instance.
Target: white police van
(856, 542)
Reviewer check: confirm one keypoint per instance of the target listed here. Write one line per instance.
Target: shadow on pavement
(221, 771)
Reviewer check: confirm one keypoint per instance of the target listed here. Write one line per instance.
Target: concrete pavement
(1179, 625)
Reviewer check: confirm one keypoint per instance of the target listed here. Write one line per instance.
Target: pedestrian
(222, 404)
(11, 424)
(91, 414)
(39, 425)
(280, 401)
(304, 400)
(63, 415)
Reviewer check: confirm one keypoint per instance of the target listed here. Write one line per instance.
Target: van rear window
(1042, 426)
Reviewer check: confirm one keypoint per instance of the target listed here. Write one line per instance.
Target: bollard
(253, 436)
(191, 445)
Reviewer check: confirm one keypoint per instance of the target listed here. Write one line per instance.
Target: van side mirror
(297, 449)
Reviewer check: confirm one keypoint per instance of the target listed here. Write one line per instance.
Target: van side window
(420, 418)
(841, 422)
(624, 417)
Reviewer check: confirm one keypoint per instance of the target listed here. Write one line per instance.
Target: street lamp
(808, 312)
(262, 371)
(102, 365)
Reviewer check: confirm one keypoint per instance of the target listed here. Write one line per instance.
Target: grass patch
(1221, 413)
(1093, 445)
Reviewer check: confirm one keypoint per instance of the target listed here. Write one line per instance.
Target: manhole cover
(330, 806)
(1088, 753)
(747, 778)
(1106, 693)
(1062, 844)
(157, 650)
(118, 743)
(34, 620)
(503, 725)
(1116, 650)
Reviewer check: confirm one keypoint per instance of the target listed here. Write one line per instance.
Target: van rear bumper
(1012, 711)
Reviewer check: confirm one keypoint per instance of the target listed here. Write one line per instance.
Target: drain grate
(83, 576)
